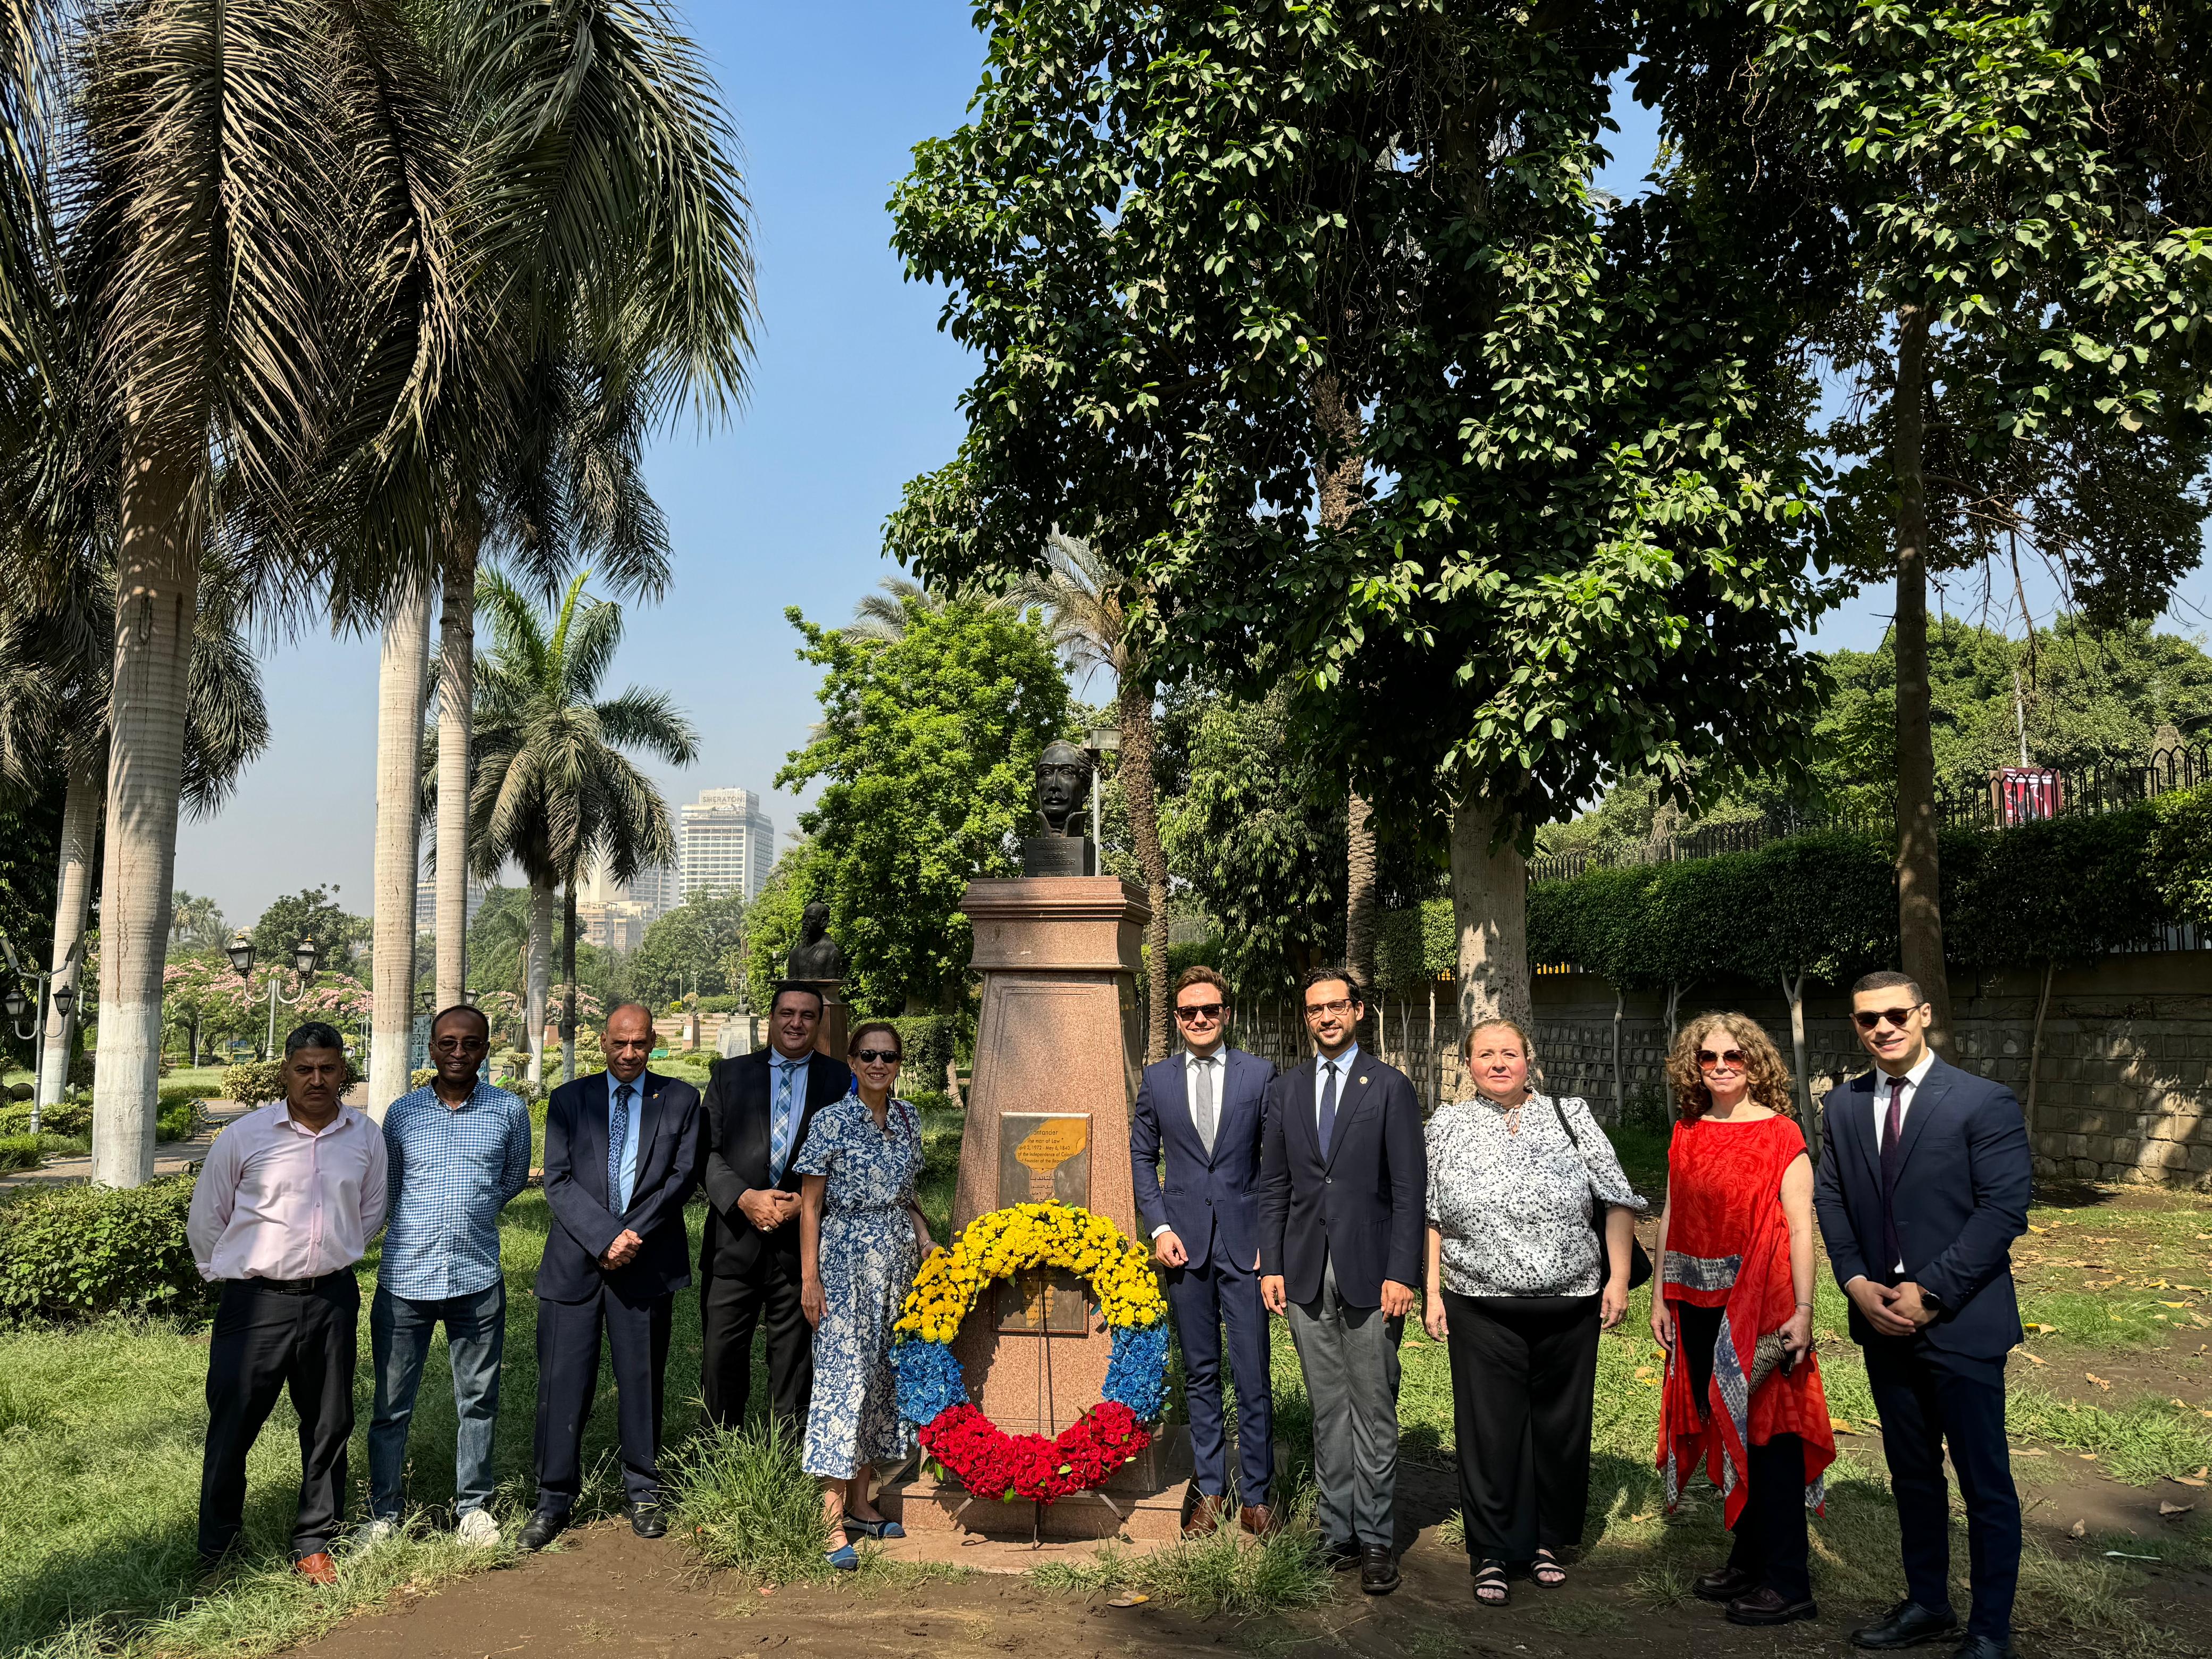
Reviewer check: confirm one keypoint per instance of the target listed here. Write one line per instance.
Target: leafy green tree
(196, 924)
(312, 912)
(927, 754)
(772, 919)
(1172, 234)
(1991, 215)
(685, 951)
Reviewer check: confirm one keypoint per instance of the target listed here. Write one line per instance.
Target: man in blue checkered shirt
(458, 1149)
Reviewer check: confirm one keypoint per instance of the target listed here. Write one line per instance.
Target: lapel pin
(1363, 1082)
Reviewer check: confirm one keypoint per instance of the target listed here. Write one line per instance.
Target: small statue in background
(817, 955)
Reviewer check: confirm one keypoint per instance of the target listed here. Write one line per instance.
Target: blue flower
(1136, 1376)
(929, 1381)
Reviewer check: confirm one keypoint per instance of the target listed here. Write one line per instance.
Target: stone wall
(2123, 1085)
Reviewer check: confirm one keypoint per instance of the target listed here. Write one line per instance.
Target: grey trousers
(1350, 1358)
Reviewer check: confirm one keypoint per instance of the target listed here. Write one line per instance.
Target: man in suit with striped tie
(621, 1155)
(1204, 1109)
(757, 1110)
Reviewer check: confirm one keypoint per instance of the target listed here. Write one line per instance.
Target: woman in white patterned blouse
(1519, 1288)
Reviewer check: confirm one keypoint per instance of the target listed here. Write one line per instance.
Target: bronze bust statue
(1063, 785)
(817, 955)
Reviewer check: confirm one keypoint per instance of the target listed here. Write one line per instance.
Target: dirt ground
(604, 1590)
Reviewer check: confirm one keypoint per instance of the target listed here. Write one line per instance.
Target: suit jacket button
(1328, 1181)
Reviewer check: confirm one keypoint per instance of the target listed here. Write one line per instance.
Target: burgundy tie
(1892, 1159)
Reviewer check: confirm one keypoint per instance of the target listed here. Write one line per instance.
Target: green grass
(1223, 1574)
(2124, 1271)
(743, 1503)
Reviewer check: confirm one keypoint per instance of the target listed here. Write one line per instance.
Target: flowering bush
(933, 1396)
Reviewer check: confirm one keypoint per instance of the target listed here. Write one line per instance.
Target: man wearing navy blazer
(1204, 1110)
(1343, 1187)
(621, 1155)
(1922, 1187)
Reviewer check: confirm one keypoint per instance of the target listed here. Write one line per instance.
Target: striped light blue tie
(779, 1147)
(618, 1133)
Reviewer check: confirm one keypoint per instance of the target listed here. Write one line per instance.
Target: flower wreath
(990, 1462)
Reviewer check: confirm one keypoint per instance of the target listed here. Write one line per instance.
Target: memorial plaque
(1044, 1157)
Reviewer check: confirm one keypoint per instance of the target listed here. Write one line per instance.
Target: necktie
(779, 1139)
(1892, 1159)
(1201, 1102)
(1327, 1106)
(618, 1133)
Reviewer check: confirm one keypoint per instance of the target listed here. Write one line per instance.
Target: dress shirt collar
(1343, 1064)
(477, 1093)
(1192, 1059)
(777, 1057)
(1912, 1080)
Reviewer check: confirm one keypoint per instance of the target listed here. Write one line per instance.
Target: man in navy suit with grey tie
(1203, 1111)
(621, 1155)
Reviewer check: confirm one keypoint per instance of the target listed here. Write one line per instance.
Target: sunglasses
(1708, 1061)
(1341, 1005)
(1192, 1011)
(877, 1057)
(1867, 1020)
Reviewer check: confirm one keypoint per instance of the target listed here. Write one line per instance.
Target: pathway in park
(170, 1157)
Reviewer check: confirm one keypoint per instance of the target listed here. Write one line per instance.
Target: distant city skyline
(727, 844)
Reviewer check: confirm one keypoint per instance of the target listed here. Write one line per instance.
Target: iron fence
(2013, 795)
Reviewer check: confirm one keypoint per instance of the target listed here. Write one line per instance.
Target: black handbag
(1639, 1259)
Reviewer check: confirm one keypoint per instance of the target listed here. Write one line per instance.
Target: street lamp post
(304, 957)
(1104, 741)
(62, 1001)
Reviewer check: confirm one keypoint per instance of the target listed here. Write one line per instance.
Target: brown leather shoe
(1205, 1514)
(1257, 1519)
(317, 1568)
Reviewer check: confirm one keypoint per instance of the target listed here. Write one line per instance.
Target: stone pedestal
(830, 1034)
(1058, 1049)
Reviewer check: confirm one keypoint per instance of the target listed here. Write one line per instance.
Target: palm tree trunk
(456, 692)
(156, 603)
(1490, 910)
(1920, 911)
(73, 897)
(1359, 901)
(1136, 716)
(568, 979)
(1340, 465)
(538, 987)
(403, 672)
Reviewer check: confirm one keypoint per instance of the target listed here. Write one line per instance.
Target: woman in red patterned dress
(1733, 1307)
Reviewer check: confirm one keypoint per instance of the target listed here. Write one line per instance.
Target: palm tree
(1095, 614)
(554, 789)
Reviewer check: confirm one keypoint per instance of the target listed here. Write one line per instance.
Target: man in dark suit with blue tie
(1923, 1185)
(758, 1109)
(621, 1155)
(1204, 1109)
(1343, 1194)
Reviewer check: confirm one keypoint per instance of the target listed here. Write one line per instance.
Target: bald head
(628, 1041)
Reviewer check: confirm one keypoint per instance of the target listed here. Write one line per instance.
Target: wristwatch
(1930, 1300)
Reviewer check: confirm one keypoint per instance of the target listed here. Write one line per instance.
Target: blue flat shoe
(874, 1528)
(844, 1559)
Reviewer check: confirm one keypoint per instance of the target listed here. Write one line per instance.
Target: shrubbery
(931, 1042)
(75, 1252)
(254, 1082)
(20, 1151)
(69, 1117)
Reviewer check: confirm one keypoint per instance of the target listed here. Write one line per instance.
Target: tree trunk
(157, 604)
(1359, 908)
(1620, 1081)
(73, 897)
(568, 979)
(1490, 910)
(539, 987)
(2035, 1043)
(1919, 912)
(1135, 715)
(1794, 990)
(1339, 468)
(402, 673)
(456, 692)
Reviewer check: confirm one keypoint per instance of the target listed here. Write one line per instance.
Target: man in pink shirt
(286, 1204)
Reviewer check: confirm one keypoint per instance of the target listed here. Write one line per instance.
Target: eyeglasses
(473, 1045)
(1708, 1061)
(1341, 1005)
(1868, 1019)
(1194, 1013)
(877, 1056)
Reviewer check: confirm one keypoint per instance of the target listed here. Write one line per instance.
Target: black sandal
(1545, 1562)
(1491, 1588)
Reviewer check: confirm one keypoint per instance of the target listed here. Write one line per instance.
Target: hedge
(2068, 890)
(254, 1082)
(77, 1252)
(931, 1043)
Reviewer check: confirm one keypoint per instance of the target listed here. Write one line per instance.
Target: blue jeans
(399, 1329)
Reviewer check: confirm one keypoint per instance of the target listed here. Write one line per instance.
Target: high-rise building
(426, 902)
(729, 844)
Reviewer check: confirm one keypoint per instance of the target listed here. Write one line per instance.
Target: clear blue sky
(852, 394)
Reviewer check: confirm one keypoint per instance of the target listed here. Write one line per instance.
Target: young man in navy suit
(1343, 1193)
(1923, 1185)
(1204, 1110)
(622, 1154)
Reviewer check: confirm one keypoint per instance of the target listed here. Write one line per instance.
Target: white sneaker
(477, 1528)
(376, 1533)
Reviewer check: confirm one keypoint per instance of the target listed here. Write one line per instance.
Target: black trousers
(1771, 1545)
(1928, 1398)
(1523, 1370)
(732, 1307)
(569, 1379)
(264, 1342)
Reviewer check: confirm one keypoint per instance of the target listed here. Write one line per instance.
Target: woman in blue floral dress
(861, 1235)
